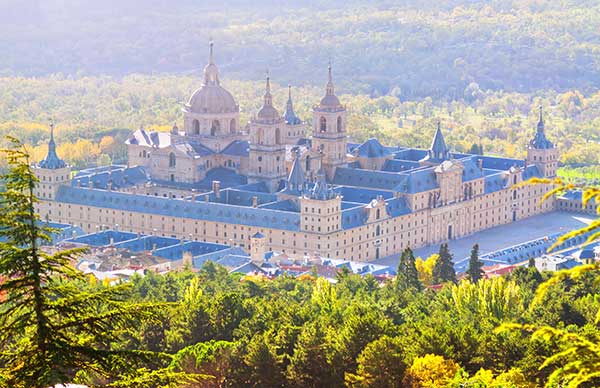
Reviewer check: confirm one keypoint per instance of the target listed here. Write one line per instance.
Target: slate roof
(150, 139)
(52, 161)
(371, 148)
(179, 208)
(540, 141)
(119, 176)
(237, 148)
(289, 115)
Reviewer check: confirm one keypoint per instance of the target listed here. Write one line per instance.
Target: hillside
(408, 49)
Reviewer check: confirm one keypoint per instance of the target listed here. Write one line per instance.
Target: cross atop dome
(268, 111)
(211, 71)
(330, 100)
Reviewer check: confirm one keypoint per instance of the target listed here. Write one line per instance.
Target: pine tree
(52, 323)
(475, 271)
(408, 276)
(444, 267)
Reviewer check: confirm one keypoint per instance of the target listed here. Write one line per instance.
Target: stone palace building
(265, 187)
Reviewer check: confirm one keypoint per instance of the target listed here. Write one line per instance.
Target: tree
(51, 324)
(475, 271)
(263, 363)
(425, 268)
(444, 268)
(408, 276)
(381, 364)
(430, 371)
(309, 366)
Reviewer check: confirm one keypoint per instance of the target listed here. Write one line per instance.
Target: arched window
(144, 153)
(232, 126)
(277, 136)
(307, 163)
(172, 160)
(514, 180)
(339, 124)
(514, 194)
(260, 137)
(215, 127)
(196, 127)
(378, 230)
(377, 215)
(322, 124)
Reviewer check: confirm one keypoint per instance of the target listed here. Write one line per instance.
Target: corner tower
(267, 149)
(321, 208)
(329, 129)
(52, 172)
(541, 152)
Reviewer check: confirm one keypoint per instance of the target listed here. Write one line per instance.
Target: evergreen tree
(475, 271)
(309, 366)
(444, 267)
(53, 324)
(408, 276)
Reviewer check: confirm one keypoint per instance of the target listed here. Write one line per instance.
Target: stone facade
(265, 188)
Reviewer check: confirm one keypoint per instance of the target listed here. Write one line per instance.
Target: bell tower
(267, 148)
(329, 130)
(541, 152)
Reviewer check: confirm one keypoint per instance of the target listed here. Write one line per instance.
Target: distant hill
(410, 48)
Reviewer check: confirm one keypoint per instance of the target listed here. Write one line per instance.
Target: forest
(210, 328)
(94, 115)
(410, 49)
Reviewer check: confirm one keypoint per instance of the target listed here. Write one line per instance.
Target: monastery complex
(263, 186)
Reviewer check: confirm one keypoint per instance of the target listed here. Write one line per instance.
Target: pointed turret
(438, 151)
(289, 115)
(295, 181)
(268, 111)
(330, 100)
(52, 161)
(211, 71)
(540, 141)
(321, 190)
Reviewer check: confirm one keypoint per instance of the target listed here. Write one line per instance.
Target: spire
(540, 141)
(211, 72)
(330, 90)
(268, 97)
(289, 115)
(321, 190)
(52, 161)
(330, 100)
(295, 182)
(267, 111)
(438, 151)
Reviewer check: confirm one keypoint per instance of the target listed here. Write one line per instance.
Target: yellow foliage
(430, 371)
(425, 268)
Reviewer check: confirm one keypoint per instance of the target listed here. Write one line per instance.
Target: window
(339, 124)
(215, 127)
(172, 160)
(322, 124)
(196, 127)
(232, 126)
(277, 136)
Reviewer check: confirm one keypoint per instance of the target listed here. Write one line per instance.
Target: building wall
(378, 238)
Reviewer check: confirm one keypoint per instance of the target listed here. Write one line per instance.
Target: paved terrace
(500, 237)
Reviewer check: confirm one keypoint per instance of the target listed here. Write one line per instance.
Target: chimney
(109, 185)
(480, 164)
(78, 182)
(193, 197)
(170, 194)
(90, 182)
(206, 198)
(255, 201)
(216, 187)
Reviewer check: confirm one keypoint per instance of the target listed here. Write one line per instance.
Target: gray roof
(52, 161)
(540, 141)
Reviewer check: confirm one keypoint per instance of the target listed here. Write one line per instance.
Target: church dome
(211, 97)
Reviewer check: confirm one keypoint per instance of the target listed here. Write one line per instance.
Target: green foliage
(52, 324)
(443, 271)
(381, 364)
(474, 271)
(408, 276)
